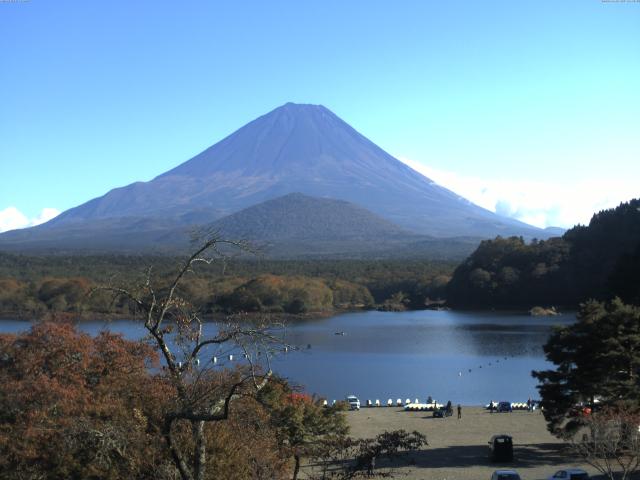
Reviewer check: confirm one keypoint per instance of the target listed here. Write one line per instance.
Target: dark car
(570, 474)
(442, 412)
(505, 475)
(504, 407)
(501, 448)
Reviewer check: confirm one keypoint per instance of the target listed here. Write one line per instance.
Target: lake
(466, 357)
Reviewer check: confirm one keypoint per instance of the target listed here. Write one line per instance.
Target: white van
(354, 403)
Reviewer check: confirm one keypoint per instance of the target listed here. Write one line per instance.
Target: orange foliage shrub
(72, 405)
(76, 406)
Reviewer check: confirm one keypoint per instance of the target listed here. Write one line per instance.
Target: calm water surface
(468, 358)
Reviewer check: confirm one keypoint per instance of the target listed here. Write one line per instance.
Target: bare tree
(610, 441)
(343, 458)
(190, 358)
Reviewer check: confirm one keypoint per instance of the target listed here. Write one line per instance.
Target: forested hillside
(33, 286)
(598, 261)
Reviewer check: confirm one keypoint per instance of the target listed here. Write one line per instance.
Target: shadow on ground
(468, 456)
(547, 455)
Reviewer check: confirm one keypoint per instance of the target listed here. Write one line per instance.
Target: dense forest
(599, 261)
(34, 286)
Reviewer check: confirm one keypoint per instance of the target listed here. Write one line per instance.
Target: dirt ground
(458, 448)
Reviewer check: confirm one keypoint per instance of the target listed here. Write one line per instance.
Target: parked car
(504, 407)
(505, 475)
(501, 448)
(442, 412)
(570, 474)
(354, 402)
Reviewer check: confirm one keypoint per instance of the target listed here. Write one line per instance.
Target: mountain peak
(300, 111)
(291, 139)
(302, 148)
(301, 106)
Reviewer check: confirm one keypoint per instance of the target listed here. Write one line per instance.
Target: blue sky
(527, 108)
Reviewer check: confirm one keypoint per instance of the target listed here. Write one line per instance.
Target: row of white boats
(417, 406)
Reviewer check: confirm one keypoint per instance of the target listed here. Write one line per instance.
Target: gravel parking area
(458, 448)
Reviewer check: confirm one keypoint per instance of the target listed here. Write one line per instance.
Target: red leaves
(54, 378)
(295, 398)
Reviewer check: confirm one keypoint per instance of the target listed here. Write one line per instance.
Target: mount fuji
(296, 148)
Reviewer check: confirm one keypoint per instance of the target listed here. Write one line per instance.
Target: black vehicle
(570, 474)
(504, 407)
(501, 448)
(505, 475)
(442, 412)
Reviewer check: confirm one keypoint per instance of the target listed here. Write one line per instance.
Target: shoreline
(215, 317)
(276, 316)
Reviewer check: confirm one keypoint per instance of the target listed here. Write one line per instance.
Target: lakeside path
(458, 448)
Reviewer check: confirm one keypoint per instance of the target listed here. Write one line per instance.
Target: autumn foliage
(76, 406)
(32, 287)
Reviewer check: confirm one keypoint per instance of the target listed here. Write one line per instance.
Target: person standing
(491, 406)
(459, 412)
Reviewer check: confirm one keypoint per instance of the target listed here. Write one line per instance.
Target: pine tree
(598, 357)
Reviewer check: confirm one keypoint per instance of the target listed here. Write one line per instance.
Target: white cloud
(45, 215)
(12, 218)
(559, 203)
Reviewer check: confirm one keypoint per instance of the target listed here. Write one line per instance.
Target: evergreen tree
(598, 261)
(597, 357)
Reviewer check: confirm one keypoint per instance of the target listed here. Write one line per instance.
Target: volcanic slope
(294, 148)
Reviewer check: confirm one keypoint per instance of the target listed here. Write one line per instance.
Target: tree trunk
(296, 468)
(176, 454)
(200, 450)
